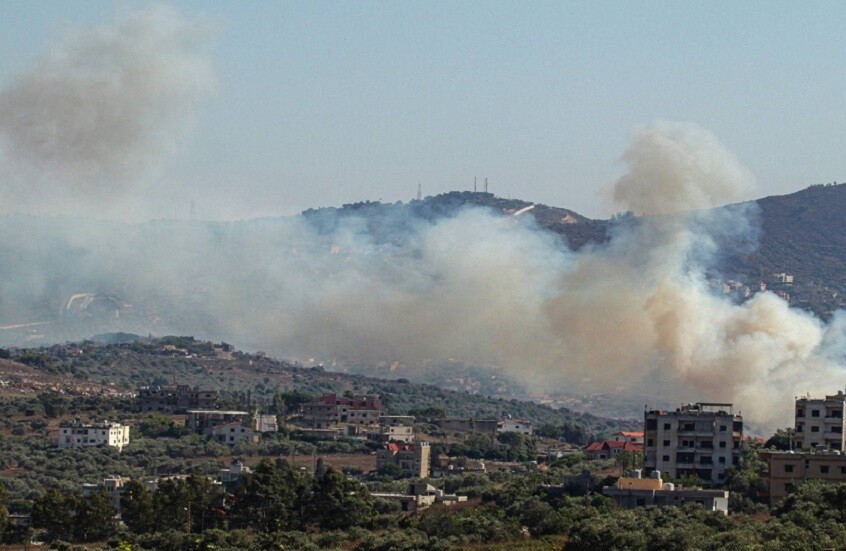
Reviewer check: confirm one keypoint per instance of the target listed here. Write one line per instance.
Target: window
(665, 458)
(800, 427)
(649, 442)
(800, 412)
(722, 460)
(815, 413)
(666, 426)
(842, 470)
(815, 429)
(723, 428)
(824, 469)
(666, 442)
(722, 444)
(788, 468)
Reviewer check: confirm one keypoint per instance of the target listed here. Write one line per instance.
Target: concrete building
(319, 416)
(482, 426)
(412, 459)
(113, 487)
(203, 421)
(175, 398)
(785, 470)
(420, 496)
(77, 435)
(698, 439)
(820, 423)
(526, 428)
(635, 491)
(233, 433)
(330, 409)
(265, 423)
(392, 433)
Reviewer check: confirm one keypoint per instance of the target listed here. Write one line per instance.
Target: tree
(273, 497)
(137, 509)
(54, 512)
(94, 519)
(338, 502)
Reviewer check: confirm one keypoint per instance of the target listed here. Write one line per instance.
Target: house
(610, 449)
(113, 487)
(77, 435)
(265, 423)
(636, 491)
(786, 470)
(700, 439)
(628, 436)
(481, 426)
(331, 409)
(392, 433)
(412, 459)
(233, 433)
(202, 421)
(820, 423)
(420, 496)
(526, 428)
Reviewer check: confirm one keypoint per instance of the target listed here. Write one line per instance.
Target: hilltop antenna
(419, 192)
(486, 185)
(474, 184)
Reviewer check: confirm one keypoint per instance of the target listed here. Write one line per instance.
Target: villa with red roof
(610, 449)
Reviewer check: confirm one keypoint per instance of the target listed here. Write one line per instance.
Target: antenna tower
(486, 185)
(419, 192)
(474, 184)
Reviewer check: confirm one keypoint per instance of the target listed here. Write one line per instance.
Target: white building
(233, 433)
(515, 425)
(820, 422)
(78, 435)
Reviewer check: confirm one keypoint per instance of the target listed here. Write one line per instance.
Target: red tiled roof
(611, 444)
(629, 433)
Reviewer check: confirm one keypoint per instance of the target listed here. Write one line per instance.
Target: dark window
(800, 427)
(651, 424)
(722, 444)
(800, 412)
(824, 469)
(649, 442)
(842, 470)
(665, 458)
(815, 429)
(815, 413)
(666, 442)
(666, 426)
(723, 460)
(788, 468)
(723, 428)
(789, 487)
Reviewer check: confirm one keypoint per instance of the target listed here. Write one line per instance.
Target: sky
(326, 103)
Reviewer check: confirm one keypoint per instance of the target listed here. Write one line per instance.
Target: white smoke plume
(97, 115)
(92, 121)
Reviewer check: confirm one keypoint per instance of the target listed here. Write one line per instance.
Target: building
(635, 491)
(420, 496)
(635, 437)
(392, 433)
(203, 421)
(610, 449)
(330, 409)
(526, 428)
(176, 398)
(785, 470)
(412, 459)
(77, 435)
(113, 487)
(482, 426)
(233, 433)
(820, 422)
(698, 439)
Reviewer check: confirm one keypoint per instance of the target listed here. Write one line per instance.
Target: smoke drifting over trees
(111, 104)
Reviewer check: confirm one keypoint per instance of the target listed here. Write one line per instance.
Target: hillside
(257, 378)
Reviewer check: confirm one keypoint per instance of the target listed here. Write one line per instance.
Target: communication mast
(419, 192)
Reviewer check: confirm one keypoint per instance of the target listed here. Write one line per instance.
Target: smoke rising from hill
(92, 121)
(96, 117)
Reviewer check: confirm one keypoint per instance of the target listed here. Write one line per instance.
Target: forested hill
(257, 379)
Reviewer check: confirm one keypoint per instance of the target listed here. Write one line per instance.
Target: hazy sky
(322, 103)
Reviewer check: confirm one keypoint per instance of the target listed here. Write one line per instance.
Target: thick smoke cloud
(91, 122)
(96, 117)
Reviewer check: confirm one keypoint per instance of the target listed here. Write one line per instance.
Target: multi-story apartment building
(412, 459)
(786, 470)
(331, 409)
(175, 398)
(698, 439)
(77, 435)
(820, 422)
